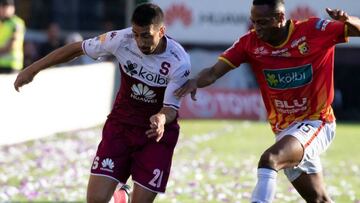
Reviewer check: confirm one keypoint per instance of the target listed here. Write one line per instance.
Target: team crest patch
(303, 48)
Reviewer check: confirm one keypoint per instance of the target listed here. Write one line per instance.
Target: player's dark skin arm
(352, 22)
(205, 78)
(158, 121)
(60, 55)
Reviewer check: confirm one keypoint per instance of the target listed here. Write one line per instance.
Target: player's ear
(281, 18)
(162, 31)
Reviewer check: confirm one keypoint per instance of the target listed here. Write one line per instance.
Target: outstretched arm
(205, 78)
(60, 55)
(352, 22)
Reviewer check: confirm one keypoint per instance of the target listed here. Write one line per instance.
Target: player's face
(148, 37)
(266, 22)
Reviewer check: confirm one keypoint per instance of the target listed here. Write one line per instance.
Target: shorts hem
(292, 179)
(98, 174)
(148, 188)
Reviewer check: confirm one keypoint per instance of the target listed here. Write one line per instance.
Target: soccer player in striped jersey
(293, 62)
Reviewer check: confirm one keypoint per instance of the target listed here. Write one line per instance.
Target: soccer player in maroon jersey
(293, 62)
(141, 131)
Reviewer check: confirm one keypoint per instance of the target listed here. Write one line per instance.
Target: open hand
(338, 14)
(189, 87)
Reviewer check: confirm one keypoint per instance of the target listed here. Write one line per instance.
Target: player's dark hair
(147, 14)
(275, 4)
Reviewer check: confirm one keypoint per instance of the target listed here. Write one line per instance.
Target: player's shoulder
(312, 23)
(123, 34)
(177, 52)
(249, 36)
(246, 40)
(116, 38)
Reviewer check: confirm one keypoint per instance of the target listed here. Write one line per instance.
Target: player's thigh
(100, 188)
(286, 152)
(142, 195)
(311, 187)
(151, 165)
(313, 137)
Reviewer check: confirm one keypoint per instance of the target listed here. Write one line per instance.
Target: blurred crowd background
(53, 23)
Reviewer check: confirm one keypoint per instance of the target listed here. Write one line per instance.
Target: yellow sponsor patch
(102, 38)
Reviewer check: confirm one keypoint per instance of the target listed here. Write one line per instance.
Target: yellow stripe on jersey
(346, 33)
(226, 61)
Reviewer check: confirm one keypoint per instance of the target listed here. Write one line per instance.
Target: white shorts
(315, 136)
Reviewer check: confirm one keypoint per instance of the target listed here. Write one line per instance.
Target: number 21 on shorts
(156, 181)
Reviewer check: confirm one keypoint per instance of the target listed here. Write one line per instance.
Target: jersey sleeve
(332, 32)
(235, 55)
(177, 79)
(103, 45)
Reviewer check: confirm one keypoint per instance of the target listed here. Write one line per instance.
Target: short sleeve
(103, 45)
(234, 55)
(177, 79)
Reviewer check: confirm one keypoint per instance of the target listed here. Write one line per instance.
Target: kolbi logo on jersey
(141, 73)
(289, 77)
(143, 93)
(131, 68)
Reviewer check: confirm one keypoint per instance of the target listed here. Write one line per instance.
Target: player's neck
(161, 46)
(280, 36)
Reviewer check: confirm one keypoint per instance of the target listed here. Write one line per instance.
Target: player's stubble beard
(160, 48)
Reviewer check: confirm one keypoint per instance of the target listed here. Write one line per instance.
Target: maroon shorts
(125, 150)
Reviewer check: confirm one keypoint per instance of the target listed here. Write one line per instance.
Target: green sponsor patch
(289, 77)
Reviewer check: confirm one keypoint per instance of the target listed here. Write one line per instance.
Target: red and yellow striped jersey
(295, 78)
